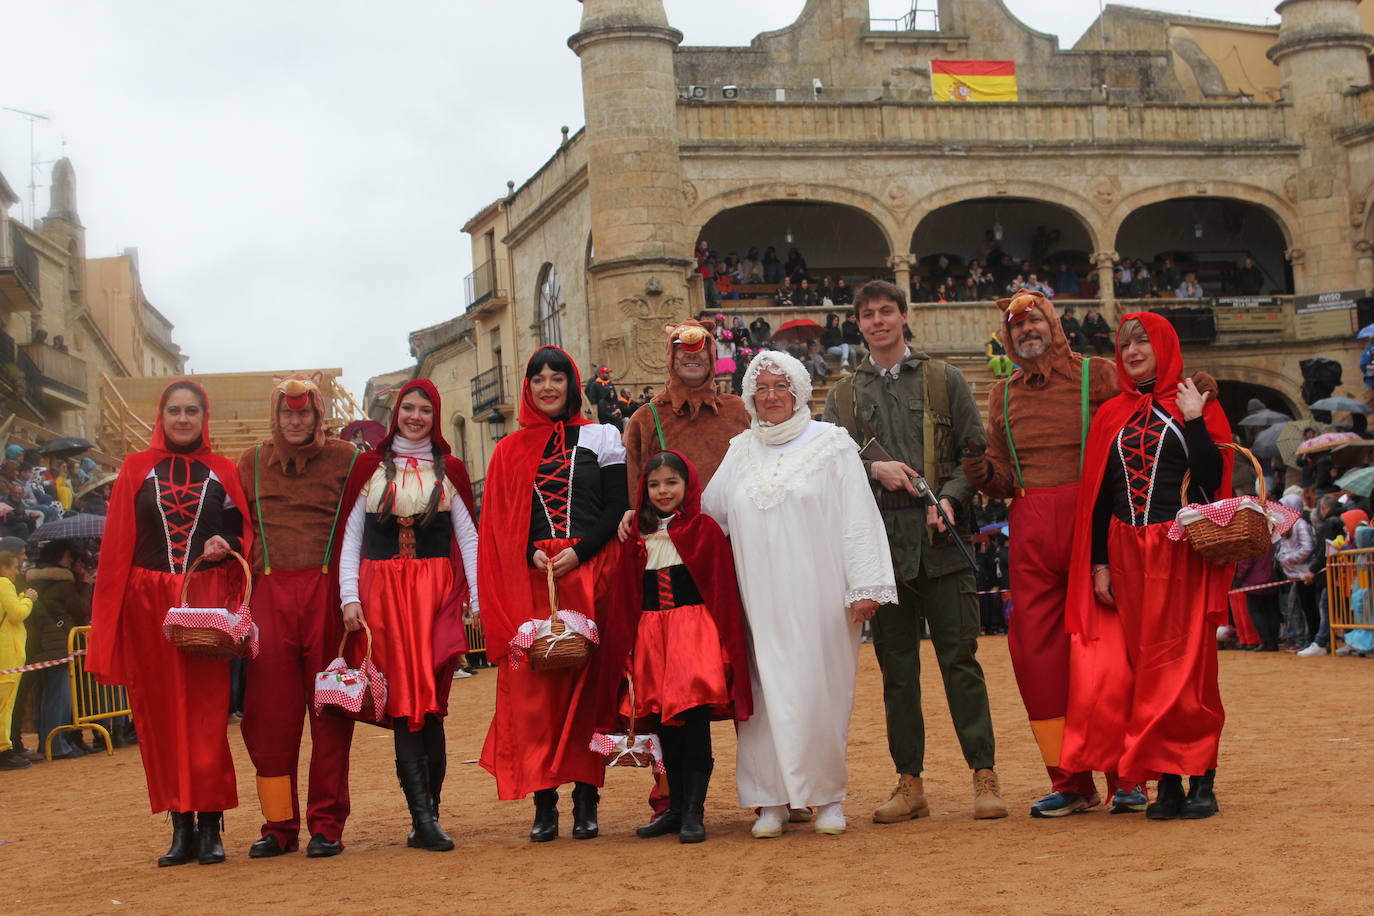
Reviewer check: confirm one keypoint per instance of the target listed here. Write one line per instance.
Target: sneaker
(830, 819)
(1311, 651)
(9, 760)
(771, 822)
(1345, 650)
(460, 674)
(987, 795)
(1062, 804)
(1132, 801)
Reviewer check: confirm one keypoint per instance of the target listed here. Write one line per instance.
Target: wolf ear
(317, 378)
(709, 324)
(1003, 304)
(671, 328)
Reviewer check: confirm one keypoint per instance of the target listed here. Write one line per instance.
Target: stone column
(1103, 261)
(901, 270)
(1298, 258)
(1364, 264)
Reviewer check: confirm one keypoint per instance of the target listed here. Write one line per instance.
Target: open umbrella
(1360, 481)
(1293, 435)
(65, 447)
(73, 526)
(799, 329)
(1347, 405)
(1266, 444)
(1325, 442)
(373, 432)
(1264, 417)
(1366, 331)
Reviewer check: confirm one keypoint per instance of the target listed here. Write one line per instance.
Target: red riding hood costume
(551, 485)
(1143, 697)
(295, 504)
(167, 502)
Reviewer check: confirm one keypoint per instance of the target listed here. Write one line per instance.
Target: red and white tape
(39, 666)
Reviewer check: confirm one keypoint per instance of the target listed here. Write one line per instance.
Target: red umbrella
(799, 329)
(373, 432)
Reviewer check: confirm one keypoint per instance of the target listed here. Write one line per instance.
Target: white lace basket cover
(537, 628)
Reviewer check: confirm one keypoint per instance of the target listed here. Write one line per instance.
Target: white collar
(896, 370)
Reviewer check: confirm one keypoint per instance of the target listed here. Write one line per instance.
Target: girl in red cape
(172, 503)
(409, 553)
(690, 660)
(555, 492)
(1143, 695)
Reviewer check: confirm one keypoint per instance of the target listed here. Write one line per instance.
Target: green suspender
(262, 530)
(1083, 386)
(257, 503)
(338, 510)
(662, 443)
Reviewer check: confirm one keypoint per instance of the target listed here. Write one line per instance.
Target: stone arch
(1275, 205)
(1040, 192)
(549, 306)
(457, 428)
(1237, 369)
(795, 192)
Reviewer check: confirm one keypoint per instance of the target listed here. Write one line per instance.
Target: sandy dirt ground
(1294, 834)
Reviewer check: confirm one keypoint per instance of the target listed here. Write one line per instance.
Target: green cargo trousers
(949, 606)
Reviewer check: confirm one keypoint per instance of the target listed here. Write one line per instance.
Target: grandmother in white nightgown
(813, 563)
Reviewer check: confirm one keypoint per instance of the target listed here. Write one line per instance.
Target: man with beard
(294, 482)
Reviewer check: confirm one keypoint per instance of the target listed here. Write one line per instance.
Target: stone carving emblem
(643, 335)
(1290, 188)
(898, 196)
(1358, 206)
(689, 193)
(1104, 193)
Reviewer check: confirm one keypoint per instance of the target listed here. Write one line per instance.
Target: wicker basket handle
(367, 653)
(1259, 473)
(553, 592)
(247, 577)
(630, 737)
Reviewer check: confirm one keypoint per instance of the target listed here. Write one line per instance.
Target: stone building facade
(823, 132)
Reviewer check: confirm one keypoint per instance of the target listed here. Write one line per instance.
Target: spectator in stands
(1066, 280)
(725, 283)
(1073, 332)
(741, 333)
(628, 403)
(1034, 282)
(968, 290)
(849, 330)
(63, 602)
(94, 497)
(772, 267)
(1249, 278)
(36, 495)
(601, 397)
(1189, 288)
(939, 274)
(942, 293)
(806, 296)
(795, 266)
(825, 293)
(1169, 275)
(760, 331)
(1018, 282)
(986, 283)
(732, 267)
(920, 289)
(785, 296)
(814, 362)
(1142, 284)
(832, 341)
(751, 267)
(704, 259)
(843, 294)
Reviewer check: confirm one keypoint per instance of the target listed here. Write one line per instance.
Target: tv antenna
(33, 118)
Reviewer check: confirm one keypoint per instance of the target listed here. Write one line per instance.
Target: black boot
(426, 832)
(210, 850)
(183, 848)
(585, 798)
(545, 816)
(1169, 798)
(438, 768)
(694, 786)
(669, 820)
(1201, 801)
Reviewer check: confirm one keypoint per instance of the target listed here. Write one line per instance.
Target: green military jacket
(893, 411)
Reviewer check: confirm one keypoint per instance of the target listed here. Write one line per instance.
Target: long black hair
(649, 517)
(555, 359)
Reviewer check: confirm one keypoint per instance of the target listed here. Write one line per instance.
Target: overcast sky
(295, 174)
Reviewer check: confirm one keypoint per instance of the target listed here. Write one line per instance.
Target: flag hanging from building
(973, 80)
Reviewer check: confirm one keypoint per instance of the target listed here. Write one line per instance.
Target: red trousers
(1041, 545)
(180, 703)
(299, 627)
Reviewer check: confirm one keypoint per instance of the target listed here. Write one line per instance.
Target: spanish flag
(973, 80)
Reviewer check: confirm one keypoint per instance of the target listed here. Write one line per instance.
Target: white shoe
(1345, 650)
(460, 674)
(1311, 651)
(770, 823)
(830, 819)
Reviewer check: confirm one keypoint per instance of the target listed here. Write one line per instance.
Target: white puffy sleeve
(867, 557)
(713, 498)
(352, 550)
(465, 533)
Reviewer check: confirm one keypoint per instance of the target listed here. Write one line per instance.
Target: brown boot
(908, 801)
(987, 795)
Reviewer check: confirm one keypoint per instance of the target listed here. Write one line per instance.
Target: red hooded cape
(1080, 615)
(449, 636)
(706, 554)
(121, 533)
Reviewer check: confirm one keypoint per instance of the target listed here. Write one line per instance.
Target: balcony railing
(489, 390)
(61, 372)
(19, 274)
(486, 283)
(19, 375)
(477, 494)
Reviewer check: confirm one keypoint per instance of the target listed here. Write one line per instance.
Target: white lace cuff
(883, 594)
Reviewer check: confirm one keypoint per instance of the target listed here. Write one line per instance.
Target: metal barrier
(1350, 591)
(92, 701)
(477, 644)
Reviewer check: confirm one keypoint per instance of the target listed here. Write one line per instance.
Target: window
(550, 308)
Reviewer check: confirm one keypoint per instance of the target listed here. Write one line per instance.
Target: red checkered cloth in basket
(532, 630)
(237, 624)
(351, 689)
(615, 748)
(1281, 518)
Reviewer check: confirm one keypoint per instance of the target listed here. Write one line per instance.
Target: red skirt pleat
(400, 598)
(1160, 703)
(541, 731)
(180, 703)
(679, 664)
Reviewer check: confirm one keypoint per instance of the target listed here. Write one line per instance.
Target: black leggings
(688, 746)
(427, 742)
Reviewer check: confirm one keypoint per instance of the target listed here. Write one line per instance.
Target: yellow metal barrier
(477, 644)
(92, 701)
(1350, 591)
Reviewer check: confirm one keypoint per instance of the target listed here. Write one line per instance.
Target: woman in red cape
(1143, 695)
(691, 659)
(171, 504)
(409, 553)
(554, 495)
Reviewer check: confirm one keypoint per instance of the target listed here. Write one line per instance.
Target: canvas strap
(658, 425)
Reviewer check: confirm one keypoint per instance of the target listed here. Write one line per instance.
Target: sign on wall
(1325, 314)
(1250, 314)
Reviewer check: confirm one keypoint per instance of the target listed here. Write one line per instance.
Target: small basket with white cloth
(1235, 528)
(629, 749)
(358, 693)
(214, 632)
(562, 640)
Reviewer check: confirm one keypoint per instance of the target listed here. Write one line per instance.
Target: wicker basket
(558, 649)
(1249, 533)
(634, 757)
(208, 642)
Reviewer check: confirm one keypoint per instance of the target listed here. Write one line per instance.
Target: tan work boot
(987, 795)
(908, 801)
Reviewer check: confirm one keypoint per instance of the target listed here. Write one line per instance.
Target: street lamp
(496, 424)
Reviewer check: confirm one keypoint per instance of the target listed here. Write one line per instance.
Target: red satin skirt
(400, 599)
(542, 728)
(180, 703)
(679, 664)
(1143, 696)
